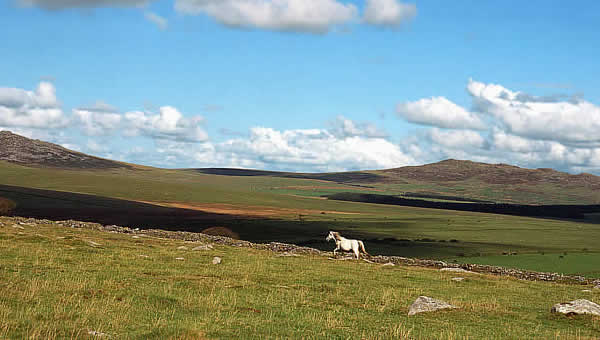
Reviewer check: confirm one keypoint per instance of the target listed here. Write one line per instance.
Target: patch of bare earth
(251, 211)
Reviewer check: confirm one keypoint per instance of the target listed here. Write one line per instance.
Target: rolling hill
(288, 207)
(25, 151)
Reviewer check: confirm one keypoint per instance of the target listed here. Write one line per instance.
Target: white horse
(345, 244)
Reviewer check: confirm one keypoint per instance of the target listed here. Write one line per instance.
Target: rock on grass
(426, 304)
(580, 306)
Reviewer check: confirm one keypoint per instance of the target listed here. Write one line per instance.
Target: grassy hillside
(252, 207)
(59, 282)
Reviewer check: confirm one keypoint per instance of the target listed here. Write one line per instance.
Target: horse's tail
(362, 247)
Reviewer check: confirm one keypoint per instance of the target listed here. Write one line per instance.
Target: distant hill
(25, 151)
(453, 170)
(458, 180)
(448, 180)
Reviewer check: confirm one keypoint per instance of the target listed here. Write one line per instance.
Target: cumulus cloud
(313, 150)
(391, 13)
(574, 122)
(64, 4)
(98, 120)
(315, 16)
(168, 123)
(156, 19)
(457, 139)
(440, 112)
(102, 119)
(31, 109)
(556, 131)
(344, 127)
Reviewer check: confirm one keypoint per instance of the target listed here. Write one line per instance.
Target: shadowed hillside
(339, 177)
(22, 150)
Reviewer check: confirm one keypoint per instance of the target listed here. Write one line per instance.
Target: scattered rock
(182, 248)
(457, 270)
(586, 290)
(287, 254)
(458, 279)
(426, 304)
(145, 256)
(93, 244)
(135, 236)
(203, 247)
(367, 261)
(580, 306)
(389, 264)
(97, 334)
(18, 226)
(216, 260)
(597, 286)
(179, 258)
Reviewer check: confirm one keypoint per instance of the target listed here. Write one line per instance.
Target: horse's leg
(335, 250)
(355, 250)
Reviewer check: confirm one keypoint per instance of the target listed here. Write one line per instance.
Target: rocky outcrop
(22, 150)
(426, 304)
(577, 307)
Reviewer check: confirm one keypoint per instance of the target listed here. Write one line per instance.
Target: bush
(6, 206)
(221, 231)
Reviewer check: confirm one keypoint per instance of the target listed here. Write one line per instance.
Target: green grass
(55, 284)
(478, 235)
(564, 263)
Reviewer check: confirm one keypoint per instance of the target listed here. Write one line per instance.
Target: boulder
(458, 279)
(389, 264)
(203, 247)
(580, 306)
(216, 260)
(426, 304)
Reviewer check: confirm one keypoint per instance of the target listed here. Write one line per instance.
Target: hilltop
(452, 170)
(25, 151)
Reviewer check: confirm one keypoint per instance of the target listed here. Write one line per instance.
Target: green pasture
(391, 230)
(586, 264)
(58, 282)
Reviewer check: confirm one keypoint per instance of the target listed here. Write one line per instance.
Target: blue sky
(319, 85)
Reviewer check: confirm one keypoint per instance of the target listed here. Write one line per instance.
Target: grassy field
(58, 282)
(585, 264)
(390, 230)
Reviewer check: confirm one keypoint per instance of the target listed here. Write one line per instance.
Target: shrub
(6, 206)
(221, 231)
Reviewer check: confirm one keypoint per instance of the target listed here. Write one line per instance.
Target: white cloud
(64, 4)
(169, 123)
(440, 112)
(98, 120)
(344, 127)
(391, 13)
(313, 150)
(95, 147)
(573, 122)
(457, 139)
(156, 19)
(31, 109)
(315, 16)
